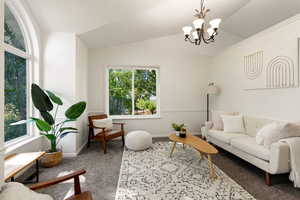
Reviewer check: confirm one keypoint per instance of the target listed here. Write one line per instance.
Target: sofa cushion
(224, 137)
(17, 191)
(249, 145)
(217, 120)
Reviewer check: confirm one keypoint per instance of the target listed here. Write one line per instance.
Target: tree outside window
(15, 107)
(133, 91)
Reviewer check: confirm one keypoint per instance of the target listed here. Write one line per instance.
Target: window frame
(31, 54)
(133, 67)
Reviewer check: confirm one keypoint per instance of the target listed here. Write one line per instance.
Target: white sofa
(275, 160)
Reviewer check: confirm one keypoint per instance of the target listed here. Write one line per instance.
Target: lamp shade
(210, 31)
(195, 35)
(215, 23)
(187, 30)
(198, 23)
(212, 89)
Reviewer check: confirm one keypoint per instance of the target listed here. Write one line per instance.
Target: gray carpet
(103, 173)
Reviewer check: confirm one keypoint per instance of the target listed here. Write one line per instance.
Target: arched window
(19, 73)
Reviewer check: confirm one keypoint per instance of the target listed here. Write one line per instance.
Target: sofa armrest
(279, 158)
(208, 125)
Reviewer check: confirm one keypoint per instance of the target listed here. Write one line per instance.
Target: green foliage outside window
(15, 80)
(123, 92)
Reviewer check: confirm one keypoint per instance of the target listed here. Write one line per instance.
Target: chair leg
(89, 137)
(123, 140)
(268, 179)
(104, 146)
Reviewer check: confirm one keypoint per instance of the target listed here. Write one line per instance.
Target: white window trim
(32, 41)
(132, 67)
(1, 76)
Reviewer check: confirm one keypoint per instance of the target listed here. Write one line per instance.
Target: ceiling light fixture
(201, 32)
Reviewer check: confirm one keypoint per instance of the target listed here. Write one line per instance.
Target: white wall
(64, 72)
(81, 90)
(183, 75)
(59, 75)
(227, 71)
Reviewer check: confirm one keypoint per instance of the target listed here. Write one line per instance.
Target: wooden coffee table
(200, 145)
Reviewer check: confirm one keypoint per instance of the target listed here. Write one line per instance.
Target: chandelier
(201, 32)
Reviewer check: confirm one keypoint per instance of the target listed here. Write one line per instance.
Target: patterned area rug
(153, 175)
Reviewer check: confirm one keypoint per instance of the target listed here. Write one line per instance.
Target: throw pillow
(266, 130)
(233, 124)
(217, 120)
(284, 130)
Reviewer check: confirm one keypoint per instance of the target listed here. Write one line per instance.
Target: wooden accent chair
(75, 175)
(104, 134)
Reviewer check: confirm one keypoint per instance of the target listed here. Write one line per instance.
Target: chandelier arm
(188, 39)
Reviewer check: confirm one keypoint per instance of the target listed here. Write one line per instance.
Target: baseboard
(81, 148)
(72, 155)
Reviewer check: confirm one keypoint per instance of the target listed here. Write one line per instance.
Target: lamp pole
(212, 89)
(207, 107)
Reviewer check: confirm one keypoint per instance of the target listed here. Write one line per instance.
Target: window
(16, 73)
(133, 92)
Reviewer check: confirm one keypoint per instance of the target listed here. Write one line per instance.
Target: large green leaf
(55, 99)
(67, 133)
(75, 110)
(67, 128)
(39, 98)
(47, 117)
(42, 125)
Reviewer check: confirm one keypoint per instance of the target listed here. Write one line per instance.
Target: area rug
(153, 175)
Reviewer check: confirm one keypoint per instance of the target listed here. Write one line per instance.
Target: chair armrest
(209, 125)
(54, 181)
(118, 123)
(121, 124)
(279, 158)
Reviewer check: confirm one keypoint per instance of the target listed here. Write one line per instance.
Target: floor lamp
(211, 90)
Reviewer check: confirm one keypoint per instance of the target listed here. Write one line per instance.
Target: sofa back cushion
(253, 124)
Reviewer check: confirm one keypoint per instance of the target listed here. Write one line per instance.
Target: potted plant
(48, 125)
(177, 128)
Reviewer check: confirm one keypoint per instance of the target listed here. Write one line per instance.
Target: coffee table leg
(183, 146)
(37, 170)
(201, 155)
(173, 148)
(211, 167)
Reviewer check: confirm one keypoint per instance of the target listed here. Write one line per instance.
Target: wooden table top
(15, 163)
(195, 142)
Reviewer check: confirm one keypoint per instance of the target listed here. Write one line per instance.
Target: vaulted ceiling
(102, 23)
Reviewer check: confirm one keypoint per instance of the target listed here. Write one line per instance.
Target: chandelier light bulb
(215, 23)
(187, 30)
(195, 35)
(198, 23)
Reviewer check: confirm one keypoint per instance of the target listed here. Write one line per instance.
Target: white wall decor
(253, 65)
(280, 73)
(276, 67)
